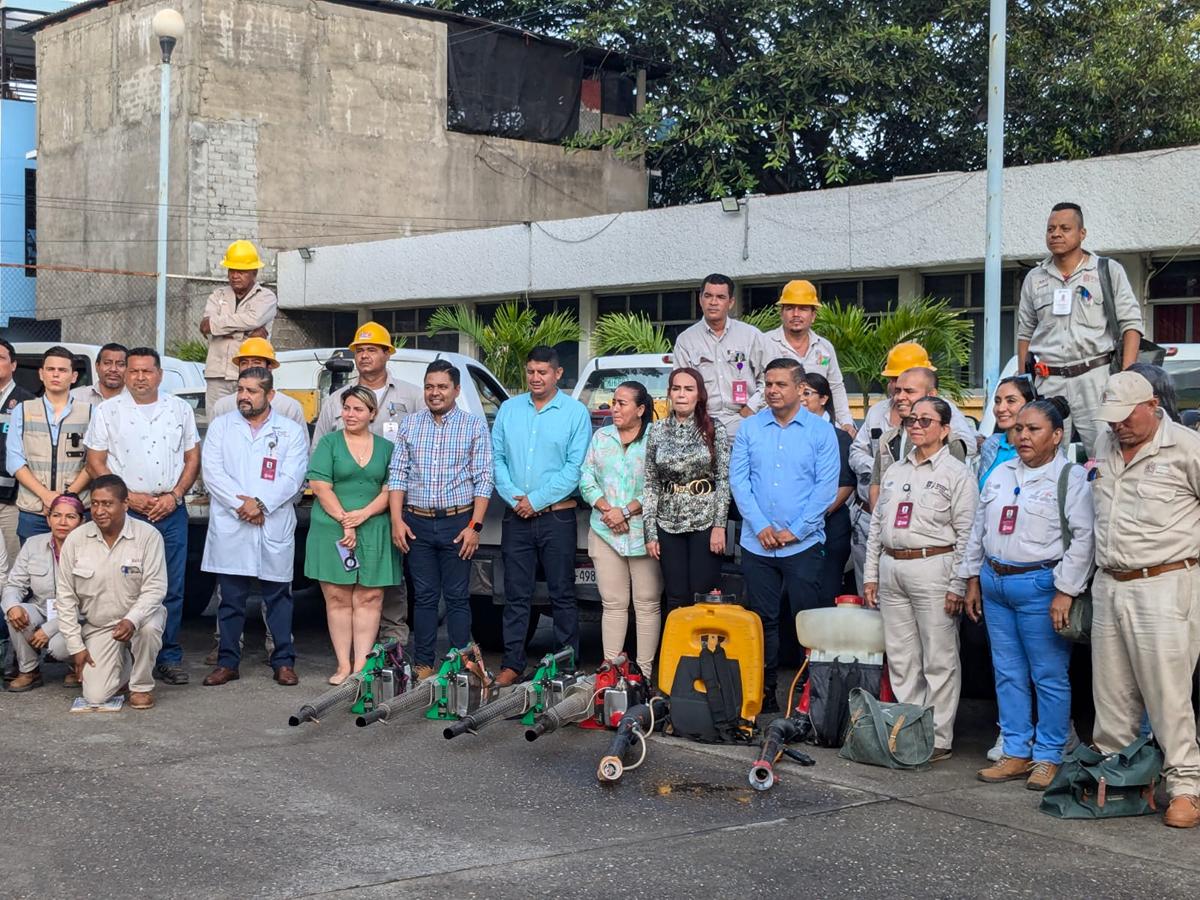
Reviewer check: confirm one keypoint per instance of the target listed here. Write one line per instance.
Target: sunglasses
(925, 422)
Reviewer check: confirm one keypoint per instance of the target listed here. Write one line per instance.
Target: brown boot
(71, 680)
(1184, 811)
(506, 678)
(1006, 768)
(1039, 779)
(26, 681)
(422, 672)
(141, 699)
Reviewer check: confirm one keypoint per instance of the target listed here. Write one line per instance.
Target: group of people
(941, 522)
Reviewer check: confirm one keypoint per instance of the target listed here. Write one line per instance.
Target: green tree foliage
(507, 340)
(628, 333)
(189, 351)
(779, 95)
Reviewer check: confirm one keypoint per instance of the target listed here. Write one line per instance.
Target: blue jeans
(231, 619)
(438, 572)
(767, 579)
(174, 531)
(30, 525)
(1027, 652)
(549, 540)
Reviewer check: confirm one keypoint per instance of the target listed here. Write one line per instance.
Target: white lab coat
(232, 463)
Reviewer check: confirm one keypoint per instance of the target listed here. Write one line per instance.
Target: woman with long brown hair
(687, 491)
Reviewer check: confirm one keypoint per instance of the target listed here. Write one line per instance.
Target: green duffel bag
(895, 735)
(1090, 785)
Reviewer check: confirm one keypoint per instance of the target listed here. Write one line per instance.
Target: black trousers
(688, 566)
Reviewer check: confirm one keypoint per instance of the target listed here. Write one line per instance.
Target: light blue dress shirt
(14, 450)
(538, 453)
(784, 476)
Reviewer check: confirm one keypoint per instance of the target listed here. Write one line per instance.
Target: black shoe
(171, 674)
(770, 705)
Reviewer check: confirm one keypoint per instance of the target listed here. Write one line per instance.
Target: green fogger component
(457, 685)
(355, 689)
(576, 705)
(549, 683)
(377, 661)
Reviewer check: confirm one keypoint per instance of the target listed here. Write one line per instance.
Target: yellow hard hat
(242, 255)
(259, 347)
(798, 293)
(372, 334)
(906, 356)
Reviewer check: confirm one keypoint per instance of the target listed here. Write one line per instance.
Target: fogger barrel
(512, 705)
(575, 707)
(420, 697)
(779, 733)
(343, 693)
(635, 722)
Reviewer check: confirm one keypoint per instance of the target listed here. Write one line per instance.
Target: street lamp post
(168, 28)
(992, 276)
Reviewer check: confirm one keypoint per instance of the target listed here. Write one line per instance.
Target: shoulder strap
(1110, 300)
(1063, 478)
(720, 690)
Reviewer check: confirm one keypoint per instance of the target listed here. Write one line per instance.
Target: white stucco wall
(1133, 203)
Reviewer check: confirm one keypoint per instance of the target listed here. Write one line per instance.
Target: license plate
(585, 575)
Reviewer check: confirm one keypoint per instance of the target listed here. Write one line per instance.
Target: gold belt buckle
(700, 486)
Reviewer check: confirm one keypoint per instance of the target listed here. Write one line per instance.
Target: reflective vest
(54, 465)
(8, 484)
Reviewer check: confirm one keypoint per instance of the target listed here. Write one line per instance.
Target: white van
(179, 376)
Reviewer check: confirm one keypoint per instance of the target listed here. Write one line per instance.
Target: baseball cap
(1122, 393)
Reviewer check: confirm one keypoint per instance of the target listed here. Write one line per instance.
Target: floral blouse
(618, 474)
(677, 455)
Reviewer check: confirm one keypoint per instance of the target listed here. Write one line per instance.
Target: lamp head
(168, 28)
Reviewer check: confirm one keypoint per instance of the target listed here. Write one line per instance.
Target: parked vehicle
(179, 376)
(604, 374)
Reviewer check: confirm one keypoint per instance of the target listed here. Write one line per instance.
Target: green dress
(355, 486)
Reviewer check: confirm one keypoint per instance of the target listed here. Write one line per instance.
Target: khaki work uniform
(821, 359)
(1078, 336)
(229, 321)
(105, 585)
(1146, 630)
(90, 394)
(920, 639)
(32, 585)
(738, 357)
(399, 400)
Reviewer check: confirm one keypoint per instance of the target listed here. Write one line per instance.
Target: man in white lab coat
(253, 463)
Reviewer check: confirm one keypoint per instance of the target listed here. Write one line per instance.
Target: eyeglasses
(924, 422)
(809, 392)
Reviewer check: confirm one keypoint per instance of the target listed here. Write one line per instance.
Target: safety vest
(54, 465)
(8, 484)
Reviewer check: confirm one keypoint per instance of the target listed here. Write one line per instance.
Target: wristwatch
(178, 499)
(476, 526)
(626, 513)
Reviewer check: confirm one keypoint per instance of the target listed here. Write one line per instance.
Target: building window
(31, 222)
(758, 296)
(1173, 284)
(673, 310)
(412, 324)
(964, 290)
(568, 351)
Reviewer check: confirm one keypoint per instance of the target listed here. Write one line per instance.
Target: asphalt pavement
(211, 794)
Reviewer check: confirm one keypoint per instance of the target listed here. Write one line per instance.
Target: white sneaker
(997, 750)
(1072, 740)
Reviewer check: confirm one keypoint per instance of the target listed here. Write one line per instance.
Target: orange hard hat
(798, 293)
(906, 356)
(372, 334)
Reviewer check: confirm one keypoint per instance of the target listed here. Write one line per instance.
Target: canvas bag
(894, 735)
(1148, 351)
(1090, 785)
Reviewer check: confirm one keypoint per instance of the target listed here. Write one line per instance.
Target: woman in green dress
(349, 549)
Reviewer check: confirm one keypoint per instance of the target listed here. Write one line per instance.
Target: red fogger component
(620, 685)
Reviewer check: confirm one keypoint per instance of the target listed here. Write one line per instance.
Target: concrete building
(18, 168)
(297, 123)
(874, 244)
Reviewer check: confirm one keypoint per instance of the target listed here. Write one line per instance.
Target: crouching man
(113, 573)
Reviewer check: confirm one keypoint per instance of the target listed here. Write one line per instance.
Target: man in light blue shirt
(539, 441)
(784, 475)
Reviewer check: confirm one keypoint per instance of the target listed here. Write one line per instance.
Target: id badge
(268, 468)
(390, 430)
(51, 610)
(741, 395)
(903, 514)
(1008, 520)
(1062, 302)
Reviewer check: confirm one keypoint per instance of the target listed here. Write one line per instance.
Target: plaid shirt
(442, 465)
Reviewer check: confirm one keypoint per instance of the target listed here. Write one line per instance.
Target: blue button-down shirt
(14, 450)
(785, 477)
(440, 465)
(538, 453)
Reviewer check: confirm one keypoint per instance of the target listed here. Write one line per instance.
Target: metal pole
(164, 127)
(998, 26)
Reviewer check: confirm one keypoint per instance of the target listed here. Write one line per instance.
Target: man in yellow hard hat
(236, 311)
(798, 305)
(257, 353)
(372, 346)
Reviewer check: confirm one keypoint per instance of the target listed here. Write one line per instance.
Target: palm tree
(863, 341)
(628, 333)
(507, 340)
(765, 318)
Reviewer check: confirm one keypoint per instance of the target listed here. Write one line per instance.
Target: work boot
(770, 704)
(170, 673)
(422, 672)
(941, 754)
(141, 699)
(1007, 768)
(1039, 779)
(506, 678)
(26, 681)
(71, 680)
(1184, 811)
(220, 675)
(997, 751)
